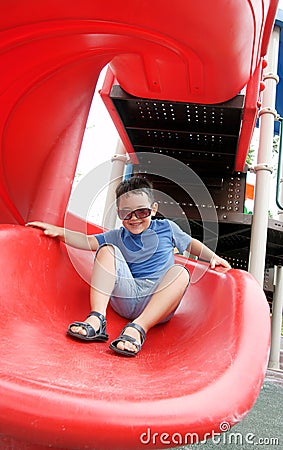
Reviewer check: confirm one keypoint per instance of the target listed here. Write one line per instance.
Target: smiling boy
(134, 268)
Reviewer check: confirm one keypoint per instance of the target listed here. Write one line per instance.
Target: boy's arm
(72, 238)
(197, 248)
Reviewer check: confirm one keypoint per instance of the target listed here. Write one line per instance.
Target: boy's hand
(217, 261)
(48, 229)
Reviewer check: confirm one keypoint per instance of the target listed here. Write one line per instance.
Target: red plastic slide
(200, 373)
(51, 53)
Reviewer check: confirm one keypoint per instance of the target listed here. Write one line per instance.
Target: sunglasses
(140, 213)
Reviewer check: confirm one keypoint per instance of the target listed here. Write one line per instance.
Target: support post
(276, 323)
(263, 168)
(118, 165)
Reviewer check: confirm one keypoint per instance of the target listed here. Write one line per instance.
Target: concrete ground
(263, 426)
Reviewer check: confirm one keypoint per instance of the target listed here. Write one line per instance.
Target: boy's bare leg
(164, 301)
(102, 284)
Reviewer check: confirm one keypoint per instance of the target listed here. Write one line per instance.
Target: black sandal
(126, 338)
(91, 333)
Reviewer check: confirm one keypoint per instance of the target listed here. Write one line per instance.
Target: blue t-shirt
(148, 254)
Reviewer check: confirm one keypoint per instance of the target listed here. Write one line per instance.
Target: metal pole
(276, 323)
(118, 165)
(263, 168)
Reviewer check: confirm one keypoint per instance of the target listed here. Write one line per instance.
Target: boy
(134, 268)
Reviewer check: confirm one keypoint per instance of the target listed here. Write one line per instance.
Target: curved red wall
(52, 52)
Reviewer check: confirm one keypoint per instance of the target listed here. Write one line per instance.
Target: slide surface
(51, 55)
(199, 373)
(204, 368)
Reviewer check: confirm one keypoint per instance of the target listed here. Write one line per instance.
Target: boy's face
(130, 202)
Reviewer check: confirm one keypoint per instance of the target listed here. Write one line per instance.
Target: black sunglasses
(140, 213)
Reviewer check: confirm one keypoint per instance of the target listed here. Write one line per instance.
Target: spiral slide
(202, 372)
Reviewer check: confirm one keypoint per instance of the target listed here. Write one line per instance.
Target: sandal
(125, 338)
(91, 333)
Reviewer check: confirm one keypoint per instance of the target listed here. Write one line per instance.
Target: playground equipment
(59, 393)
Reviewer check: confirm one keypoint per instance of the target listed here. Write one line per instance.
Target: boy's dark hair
(136, 185)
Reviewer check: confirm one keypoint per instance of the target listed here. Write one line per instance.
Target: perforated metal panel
(227, 195)
(234, 239)
(205, 137)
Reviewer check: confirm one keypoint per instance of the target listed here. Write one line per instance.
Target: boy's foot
(129, 331)
(80, 329)
(92, 329)
(130, 340)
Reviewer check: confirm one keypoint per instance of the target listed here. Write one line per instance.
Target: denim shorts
(131, 295)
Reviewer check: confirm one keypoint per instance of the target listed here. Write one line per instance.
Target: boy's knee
(105, 250)
(185, 274)
(181, 273)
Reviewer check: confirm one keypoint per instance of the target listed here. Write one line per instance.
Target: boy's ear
(154, 208)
